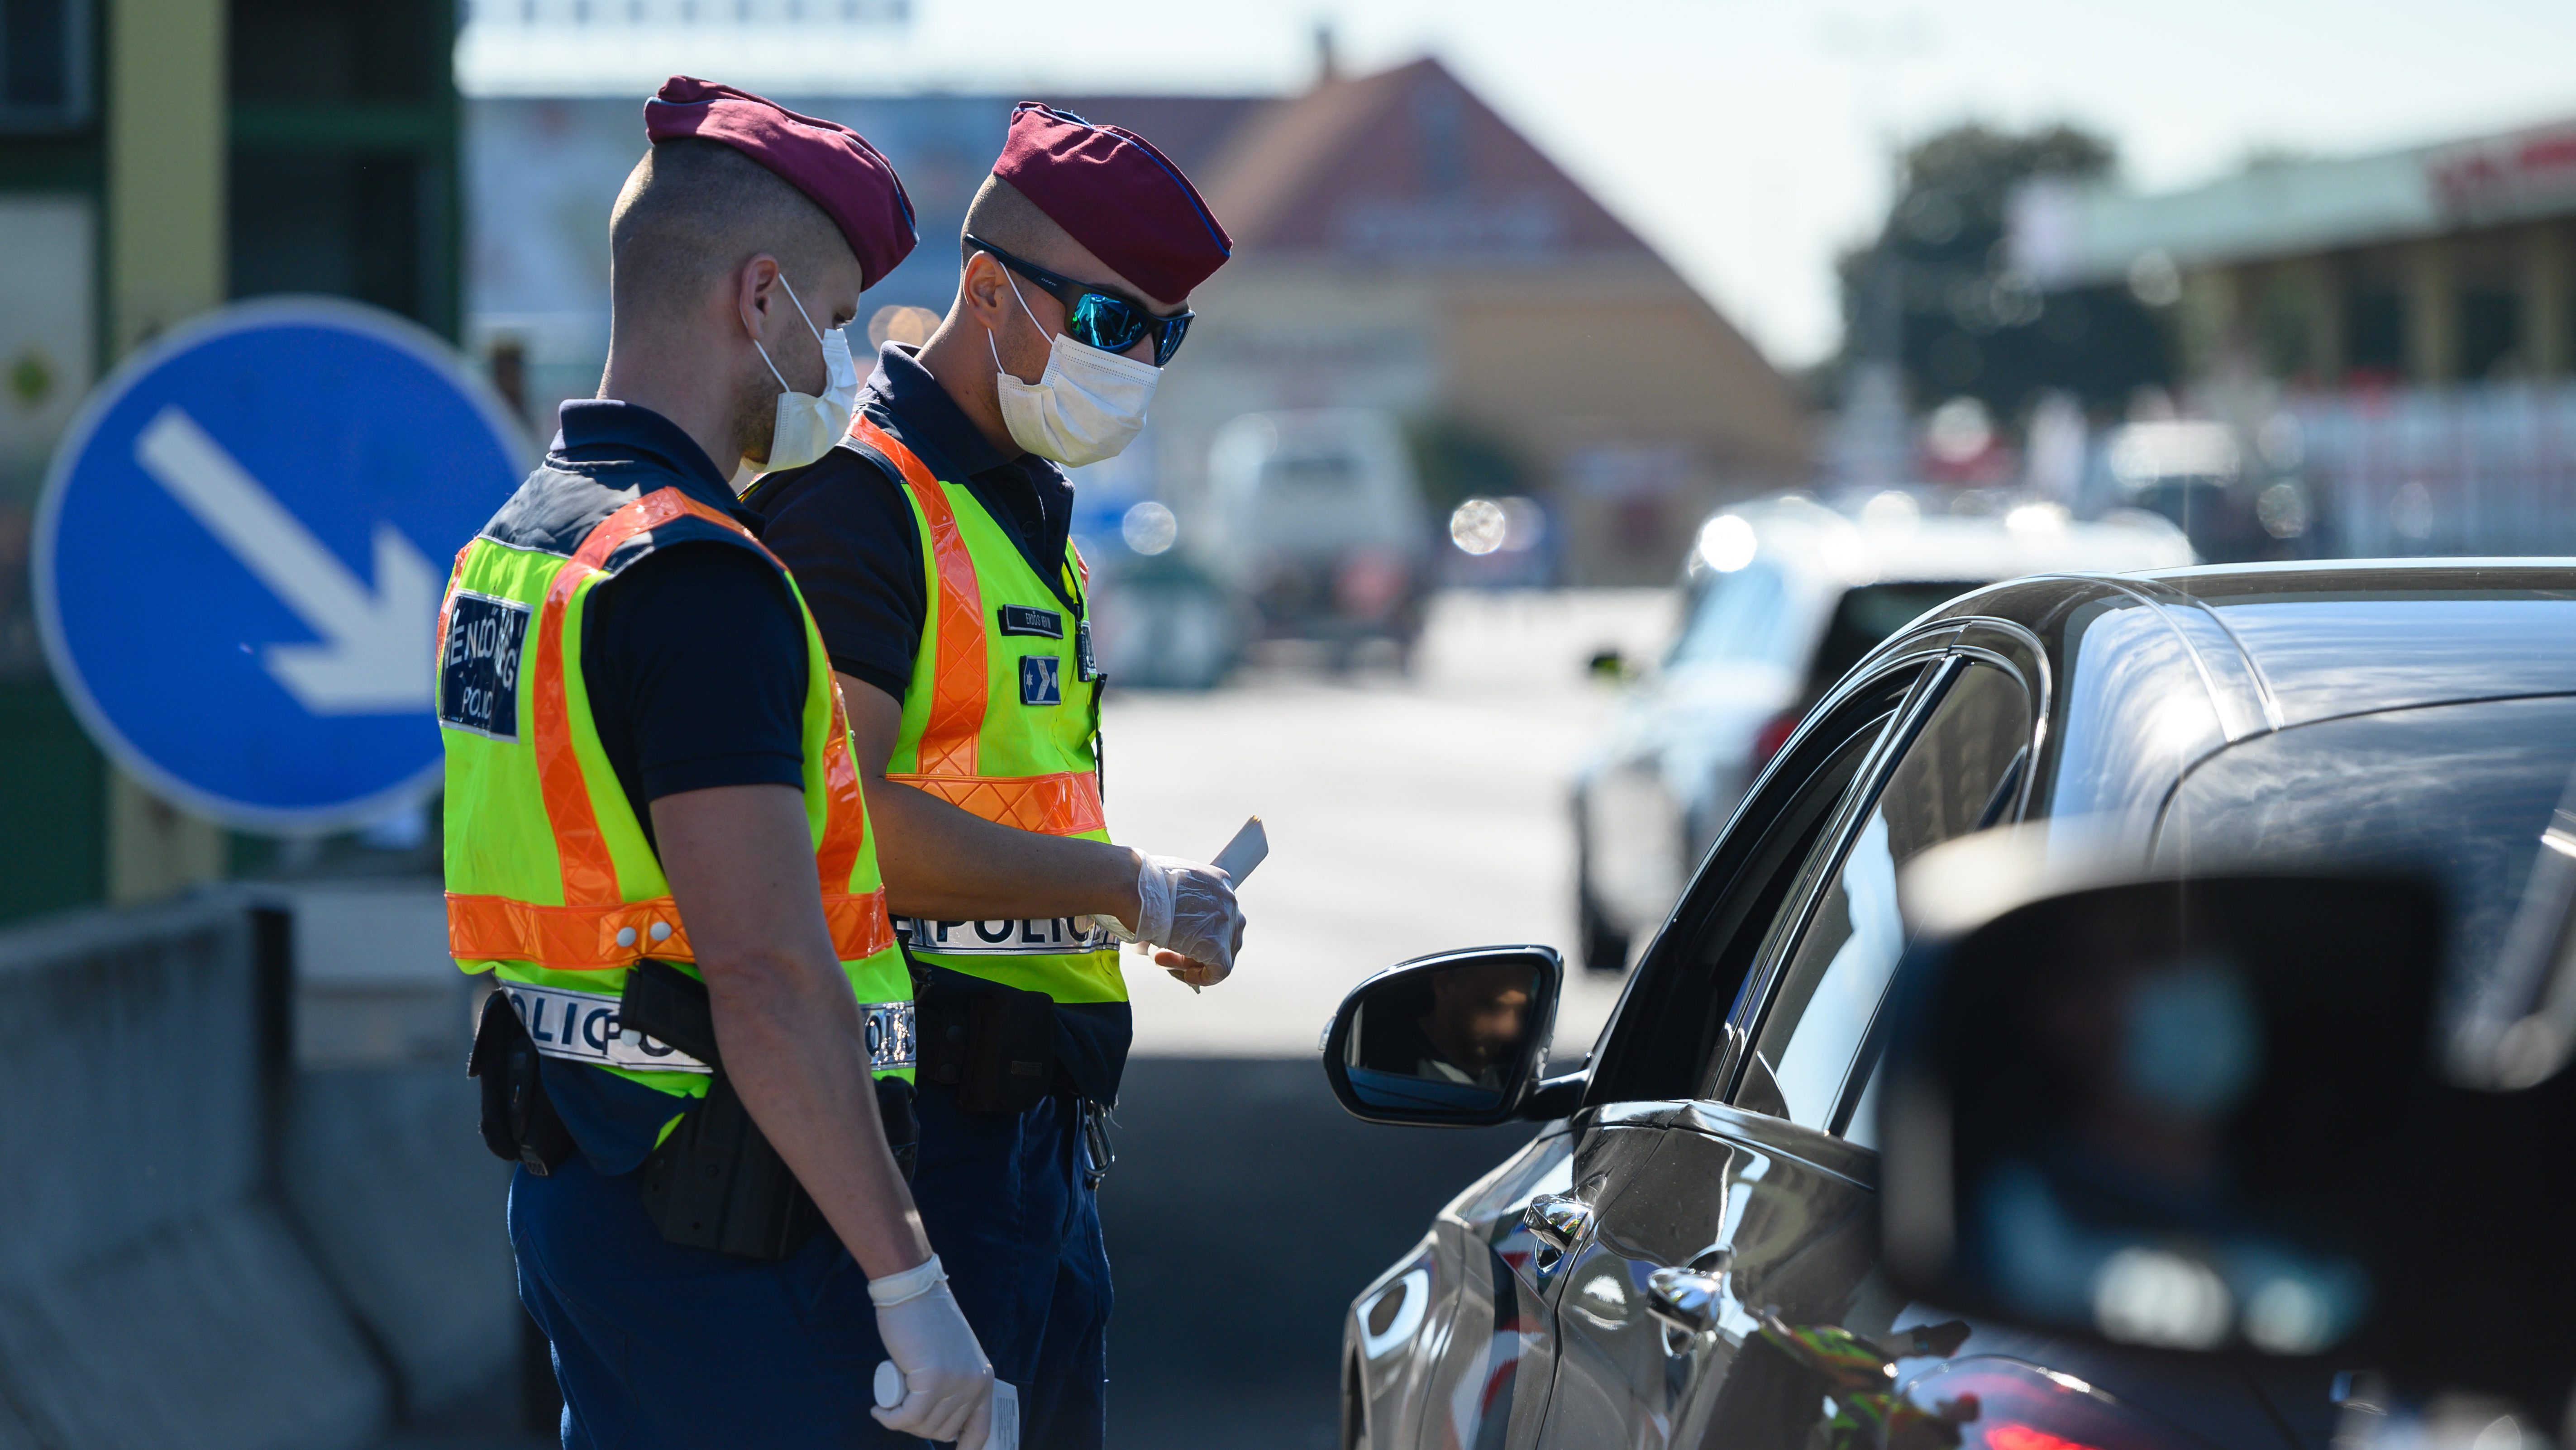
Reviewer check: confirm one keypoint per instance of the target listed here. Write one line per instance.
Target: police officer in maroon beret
(933, 546)
(654, 838)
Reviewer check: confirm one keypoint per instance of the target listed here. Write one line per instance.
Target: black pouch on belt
(716, 1182)
(519, 1121)
(994, 1044)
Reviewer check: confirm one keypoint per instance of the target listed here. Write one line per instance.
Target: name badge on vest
(1041, 680)
(478, 665)
(1023, 619)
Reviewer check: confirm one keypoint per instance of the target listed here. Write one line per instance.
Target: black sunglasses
(1095, 317)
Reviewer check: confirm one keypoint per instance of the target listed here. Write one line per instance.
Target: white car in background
(1780, 596)
(1319, 521)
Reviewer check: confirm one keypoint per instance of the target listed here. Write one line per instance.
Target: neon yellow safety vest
(550, 879)
(999, 720)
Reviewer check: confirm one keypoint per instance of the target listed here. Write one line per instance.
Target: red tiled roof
(1405, 161)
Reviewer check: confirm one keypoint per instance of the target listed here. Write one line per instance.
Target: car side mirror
(2165, 1113)
(1451, 1040)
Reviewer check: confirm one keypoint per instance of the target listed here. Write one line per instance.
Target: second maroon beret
(1116, 195)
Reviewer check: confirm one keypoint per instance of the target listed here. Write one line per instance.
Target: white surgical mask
(808, 426)
(1088, 405)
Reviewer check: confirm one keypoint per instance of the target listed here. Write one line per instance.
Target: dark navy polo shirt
(843, 525)
(695, 661)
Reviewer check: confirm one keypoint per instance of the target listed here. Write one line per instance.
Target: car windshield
(2460, 793)
(1742, 617)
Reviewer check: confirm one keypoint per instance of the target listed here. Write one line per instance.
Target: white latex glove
(1189, 910)
(947, 1382)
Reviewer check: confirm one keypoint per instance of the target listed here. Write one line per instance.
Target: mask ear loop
(994, 348)
(809, 327)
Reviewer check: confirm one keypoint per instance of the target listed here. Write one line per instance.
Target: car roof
(1905, 536)
(2151, 672)
(2322, 639)
(2383, 634)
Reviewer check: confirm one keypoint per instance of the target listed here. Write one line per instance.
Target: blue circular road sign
(240, 553)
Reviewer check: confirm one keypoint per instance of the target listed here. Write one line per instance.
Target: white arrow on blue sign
(240, 551)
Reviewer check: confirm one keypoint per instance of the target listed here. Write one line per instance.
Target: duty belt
(583, 1027)
(1037, 936)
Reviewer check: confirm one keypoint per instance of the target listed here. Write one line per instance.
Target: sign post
(240, 551)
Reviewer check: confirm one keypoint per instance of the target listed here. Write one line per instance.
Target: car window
(1741, 618)
(1960, 773)
(1668, 1038)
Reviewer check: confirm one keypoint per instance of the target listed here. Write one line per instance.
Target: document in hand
(1249, 848)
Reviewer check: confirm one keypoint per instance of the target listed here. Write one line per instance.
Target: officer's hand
(1188, 909)
(948, 1384)
(1196, 974)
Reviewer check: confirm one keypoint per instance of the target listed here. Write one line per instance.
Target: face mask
(808, 426)
(1087, 406)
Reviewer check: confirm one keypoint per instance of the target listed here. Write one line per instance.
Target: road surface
(1406, 815)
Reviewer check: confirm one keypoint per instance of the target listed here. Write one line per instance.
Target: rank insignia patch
(1041, 680)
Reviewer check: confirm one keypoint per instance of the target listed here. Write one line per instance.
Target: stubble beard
(755, 415)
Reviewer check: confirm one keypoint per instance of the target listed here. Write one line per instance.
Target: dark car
(1688, 1253)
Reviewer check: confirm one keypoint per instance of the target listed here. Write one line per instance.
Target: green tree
(1970, 322)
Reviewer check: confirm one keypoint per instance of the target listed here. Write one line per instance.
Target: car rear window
(1869, 614)
(1320, 474)
(2459, 793)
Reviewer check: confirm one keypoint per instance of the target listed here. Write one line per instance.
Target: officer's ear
(984, 291)
(756, 296)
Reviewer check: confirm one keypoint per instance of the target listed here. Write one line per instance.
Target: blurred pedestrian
(934, 546)
(700, 1052)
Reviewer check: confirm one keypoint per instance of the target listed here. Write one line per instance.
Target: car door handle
(1687, 1299)
(1556, 1220)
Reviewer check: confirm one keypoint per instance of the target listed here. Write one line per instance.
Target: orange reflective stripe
(1058, 805)
(605, 938)
(957, 697)
(845, 809)
(589, 872)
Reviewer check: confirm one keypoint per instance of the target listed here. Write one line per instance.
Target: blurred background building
(1399, 247)
(2397, 330)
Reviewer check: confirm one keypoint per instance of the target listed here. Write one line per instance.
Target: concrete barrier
(201, 1245)
(151, 1293)
(402, 1204)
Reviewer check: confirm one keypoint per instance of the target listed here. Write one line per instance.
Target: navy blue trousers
(658, 1345)
(1003, 1198)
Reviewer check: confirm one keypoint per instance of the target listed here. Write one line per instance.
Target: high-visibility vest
(551, 882)
(1000, 719)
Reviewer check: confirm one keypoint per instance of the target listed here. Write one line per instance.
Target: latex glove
(1189, 910)
(947, 1382)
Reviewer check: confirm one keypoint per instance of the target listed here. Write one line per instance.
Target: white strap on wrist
(907, 1286)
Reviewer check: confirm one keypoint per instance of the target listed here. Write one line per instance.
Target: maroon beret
(1118, 196)
(827, 161)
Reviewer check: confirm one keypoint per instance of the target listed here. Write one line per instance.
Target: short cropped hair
(693, 210)
(1003, 215)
